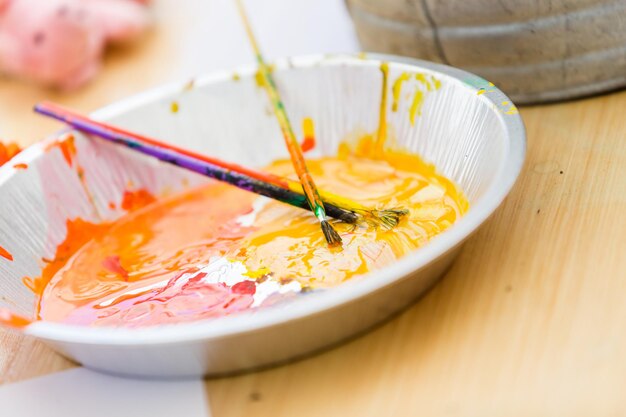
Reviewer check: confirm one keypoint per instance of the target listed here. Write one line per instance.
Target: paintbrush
(200, 166)
(308, 185)
(387, 218)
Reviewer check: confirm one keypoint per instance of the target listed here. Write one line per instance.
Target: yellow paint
(428, 82)
(130, 260)
(506, 106)
(308, 130)
(258, 273)
(487, 89)
(237, 77)
(308, 127)
(512, 110)
(436, 82)
(174, 107)
(424, 81)
(259, 78)
(416, 106)
(382, 117)
(397, 89)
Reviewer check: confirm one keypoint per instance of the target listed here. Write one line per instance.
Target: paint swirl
(217, 250)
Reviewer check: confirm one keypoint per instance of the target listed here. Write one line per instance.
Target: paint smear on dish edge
(8, 151)
(5, 254)
(425, 84)
(10, 319)
(308, 129)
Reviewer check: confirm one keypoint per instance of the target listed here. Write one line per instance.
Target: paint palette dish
(221, 280)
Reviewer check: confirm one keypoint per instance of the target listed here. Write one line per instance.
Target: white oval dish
(467, 128)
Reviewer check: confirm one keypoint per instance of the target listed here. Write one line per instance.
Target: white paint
(219, 270)
(247, 220)
(269, 287)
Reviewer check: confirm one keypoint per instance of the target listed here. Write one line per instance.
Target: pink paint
(244, 287)
(114, 264)
(182, 299)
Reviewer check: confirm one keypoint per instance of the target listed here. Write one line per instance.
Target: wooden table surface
(530, 321)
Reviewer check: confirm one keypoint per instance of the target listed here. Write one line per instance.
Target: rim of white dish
(351, 291)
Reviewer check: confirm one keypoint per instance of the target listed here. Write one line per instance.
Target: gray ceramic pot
(533, 50)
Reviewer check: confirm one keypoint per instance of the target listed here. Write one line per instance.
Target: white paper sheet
(81, 392)
(283, 28)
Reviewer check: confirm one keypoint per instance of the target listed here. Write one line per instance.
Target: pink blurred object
(59, 43)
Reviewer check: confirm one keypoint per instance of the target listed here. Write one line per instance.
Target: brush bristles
(348, 217)
(389, 218)
(331, 235)
(341, 214)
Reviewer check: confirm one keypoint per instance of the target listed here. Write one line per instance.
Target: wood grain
(528, 322)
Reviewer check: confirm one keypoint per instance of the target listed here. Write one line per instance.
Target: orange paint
(20, 166)
(308, 143)
(10, 319)
(79, 232)
(214, 250)
(68, 148)
(308, 130)
(189, 85)
(235, 167)
(5, 254)
(8, 151)
(66, 144)
(134, 200)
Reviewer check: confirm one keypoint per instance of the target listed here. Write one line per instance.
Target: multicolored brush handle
(67, 115)
(297, 158)
(199, 166)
